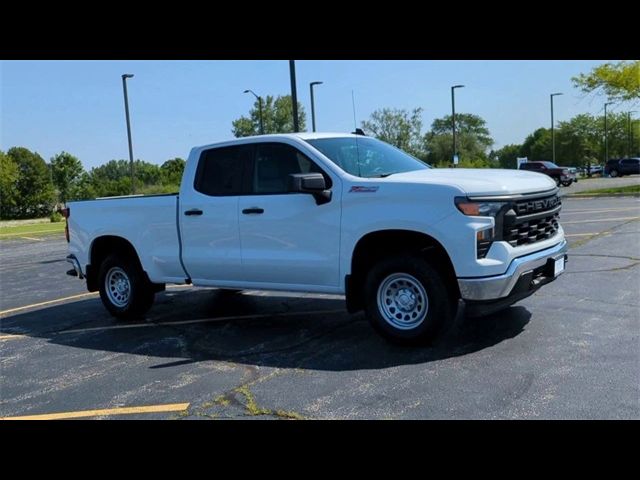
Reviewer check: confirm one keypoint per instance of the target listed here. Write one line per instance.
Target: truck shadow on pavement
(262, 330)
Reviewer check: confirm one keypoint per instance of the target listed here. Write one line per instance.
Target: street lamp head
(316, 83)
(458, 86)
(555, 94)
(127, 75)
(252, 93)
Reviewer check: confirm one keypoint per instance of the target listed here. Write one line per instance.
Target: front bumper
(524, 275)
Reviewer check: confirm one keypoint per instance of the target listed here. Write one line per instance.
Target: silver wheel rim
(118, 287)
(402, 301)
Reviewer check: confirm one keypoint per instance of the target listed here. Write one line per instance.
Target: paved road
(599, 182)
(572, 350)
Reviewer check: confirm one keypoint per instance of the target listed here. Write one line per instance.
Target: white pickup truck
(328, 213)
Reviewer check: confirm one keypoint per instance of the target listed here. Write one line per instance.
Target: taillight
(66, 213)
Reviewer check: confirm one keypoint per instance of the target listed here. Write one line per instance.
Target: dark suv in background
(560, 174)
(622, 166)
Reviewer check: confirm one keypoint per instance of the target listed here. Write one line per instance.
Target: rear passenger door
(287, 239)
(208, 216)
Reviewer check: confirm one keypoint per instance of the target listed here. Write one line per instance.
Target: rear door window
(220, 170)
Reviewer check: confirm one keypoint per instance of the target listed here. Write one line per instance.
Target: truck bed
(149, 222)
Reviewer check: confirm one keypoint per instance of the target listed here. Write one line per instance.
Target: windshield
(367, 157)
(550, 165)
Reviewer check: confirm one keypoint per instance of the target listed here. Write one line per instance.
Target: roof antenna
(356, 132)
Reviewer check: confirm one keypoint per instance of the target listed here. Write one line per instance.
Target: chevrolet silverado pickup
(328, 213)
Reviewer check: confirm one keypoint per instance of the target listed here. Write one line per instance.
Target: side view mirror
(312, 183)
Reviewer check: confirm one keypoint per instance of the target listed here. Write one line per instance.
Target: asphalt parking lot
(571, 351)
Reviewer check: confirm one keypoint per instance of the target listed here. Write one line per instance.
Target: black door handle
(193, 211)
(248, 211)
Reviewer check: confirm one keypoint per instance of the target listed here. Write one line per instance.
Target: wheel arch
(376, 245)
(101, 248)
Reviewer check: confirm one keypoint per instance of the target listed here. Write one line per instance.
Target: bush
(56, 217)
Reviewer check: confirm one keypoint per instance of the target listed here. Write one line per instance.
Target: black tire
(614, 173)
(407, 268)
(567, 184)
(140, 293)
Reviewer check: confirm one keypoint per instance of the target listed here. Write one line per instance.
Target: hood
(480, 181)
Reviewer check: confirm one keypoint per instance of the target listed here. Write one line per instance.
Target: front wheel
(124, 289)
(567, 184)
(614, 173)
(406, 300)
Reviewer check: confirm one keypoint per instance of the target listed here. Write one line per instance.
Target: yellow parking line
(31, 238)
(64, 299)
(11, 337)
(49, 302)
(29, 233)
(171, 407)
(198, 320)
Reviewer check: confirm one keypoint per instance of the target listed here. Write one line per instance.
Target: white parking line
(570, 212)
(600, 220)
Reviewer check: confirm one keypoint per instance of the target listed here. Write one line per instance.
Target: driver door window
(273, 164)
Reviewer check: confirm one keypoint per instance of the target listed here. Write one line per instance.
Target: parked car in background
(622, 166)
(573, 173)
(561, 175)
(593, 170)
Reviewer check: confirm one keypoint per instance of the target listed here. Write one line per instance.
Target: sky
(77, 106)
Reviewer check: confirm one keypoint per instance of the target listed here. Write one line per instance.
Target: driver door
(286, 238)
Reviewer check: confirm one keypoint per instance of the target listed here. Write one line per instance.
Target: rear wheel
(406, 300)
(124, 288)
(567, 184)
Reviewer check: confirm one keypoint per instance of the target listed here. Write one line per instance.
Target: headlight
(478, 209)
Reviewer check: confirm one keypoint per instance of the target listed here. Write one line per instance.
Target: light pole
(294, 94)
(259, 109)
(313, 107)
(126, 111)
(606, 136)
(629, 134)
(553, 133)
(453, 119)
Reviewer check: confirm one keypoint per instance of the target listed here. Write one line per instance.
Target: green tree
(172, 171)
(399, 127)
(617, 81)
(9, 174)
(473, 141)
(66, 171)
(507, 156)
(114, 177)
(83, 189)
(537, 146)
(277, 116)
(35, 189)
